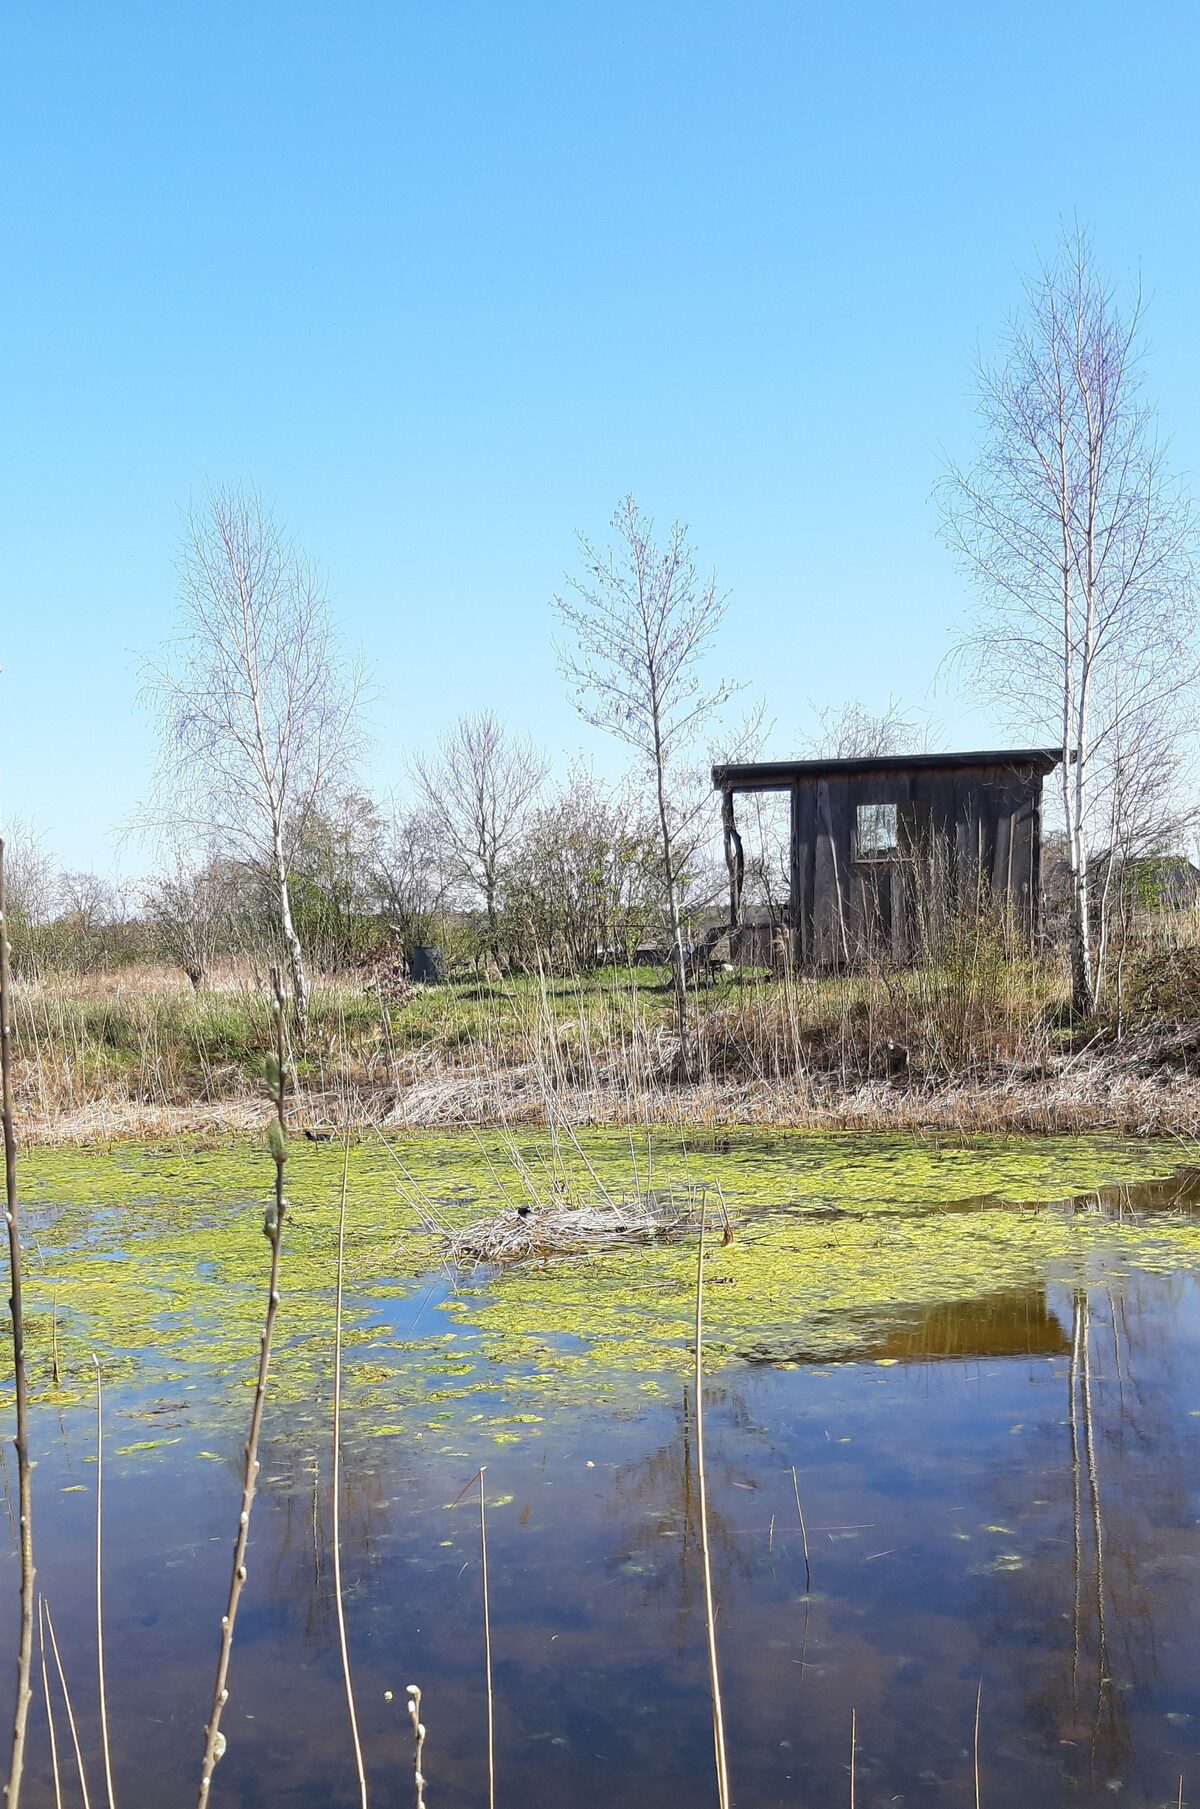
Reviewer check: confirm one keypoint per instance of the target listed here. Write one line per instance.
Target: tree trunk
(1083, 991)
(291, 941)
(681, 999)
(1083, 994)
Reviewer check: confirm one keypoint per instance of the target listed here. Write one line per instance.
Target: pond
(981, 1360)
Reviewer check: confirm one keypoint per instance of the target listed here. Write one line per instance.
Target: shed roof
(777, 775)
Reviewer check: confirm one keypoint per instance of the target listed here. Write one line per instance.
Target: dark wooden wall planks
(970, 826)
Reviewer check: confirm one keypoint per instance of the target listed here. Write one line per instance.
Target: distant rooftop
(763, 775)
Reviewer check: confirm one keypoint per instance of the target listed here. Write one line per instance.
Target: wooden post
(735, 859)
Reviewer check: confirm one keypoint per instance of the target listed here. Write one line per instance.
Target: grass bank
(978, 1046)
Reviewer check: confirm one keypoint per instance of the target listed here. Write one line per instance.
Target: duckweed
(152, 1256)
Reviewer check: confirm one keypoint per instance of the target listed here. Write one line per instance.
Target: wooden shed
(876, 845)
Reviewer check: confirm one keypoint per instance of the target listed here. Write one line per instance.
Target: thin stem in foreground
(710, 1614)
(803, 1533)
(108, 1777)
(16, 1763)
(414, 1715)
(214, 1743)
(58, 1802)
(62, 1679)
(487, 1649)
(978, 1702)
(337, 1483)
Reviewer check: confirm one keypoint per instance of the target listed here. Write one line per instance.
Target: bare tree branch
(639, 619)
(1080, 544)
(256, 707)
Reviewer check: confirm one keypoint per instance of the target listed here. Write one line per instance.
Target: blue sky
(446, 279)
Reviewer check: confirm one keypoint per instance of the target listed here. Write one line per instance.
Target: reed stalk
(803, 1533)
(487, 1647)
(58, 1802)
(339, 1603)
(710, 1613)
(71, 1722)
(978, 1702)
(16, 1762)
(108, 1777)
(214, 1743)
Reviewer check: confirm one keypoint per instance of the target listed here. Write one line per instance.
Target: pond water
(982, 1360)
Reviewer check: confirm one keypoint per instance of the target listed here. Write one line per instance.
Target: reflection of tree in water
(656, 1499)
(1125, 1482)
(1094, 1697)
(297, 1483)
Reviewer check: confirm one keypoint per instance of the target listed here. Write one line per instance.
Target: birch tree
(477, 791)
(639, 619)
(257, 708)
(1079, 542)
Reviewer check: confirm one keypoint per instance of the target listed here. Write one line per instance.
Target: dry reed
(578, 1226)
(339, 1601)
(803, 1532)
(49, 1705)
(16, 1762)
(487, 1646)
(71, 1722)
(103, 1689)
(978, 1704)
(710, 1613)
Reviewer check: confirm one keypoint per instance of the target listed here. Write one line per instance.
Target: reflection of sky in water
(999, 1484)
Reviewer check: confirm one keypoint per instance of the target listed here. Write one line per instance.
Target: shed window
(878, 832)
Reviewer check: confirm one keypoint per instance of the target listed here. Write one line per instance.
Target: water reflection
(1016, 1322)
(998, 1486)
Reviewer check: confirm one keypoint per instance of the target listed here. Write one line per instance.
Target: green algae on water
(152, 1256)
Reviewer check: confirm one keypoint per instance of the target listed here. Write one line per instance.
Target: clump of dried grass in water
(566, 1227)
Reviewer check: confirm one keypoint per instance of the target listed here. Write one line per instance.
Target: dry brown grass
(975, 1041)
